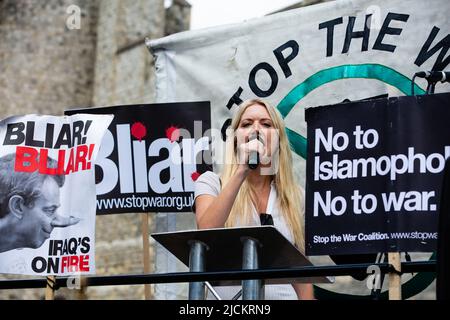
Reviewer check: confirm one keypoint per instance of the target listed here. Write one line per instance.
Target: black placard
(141, 166)
(374, 174)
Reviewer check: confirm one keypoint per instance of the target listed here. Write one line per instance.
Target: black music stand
(230, 249)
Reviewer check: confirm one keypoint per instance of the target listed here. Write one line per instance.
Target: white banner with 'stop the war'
(316, 55)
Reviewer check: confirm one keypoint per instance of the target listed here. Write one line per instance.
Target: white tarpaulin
(317, 55)
(47, 193)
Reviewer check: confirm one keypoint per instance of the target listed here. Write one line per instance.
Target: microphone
(434, 76)
(253, 158)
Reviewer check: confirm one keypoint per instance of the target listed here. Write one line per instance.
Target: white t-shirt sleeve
(207, 183)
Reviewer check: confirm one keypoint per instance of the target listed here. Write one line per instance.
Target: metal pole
(214, 292)
(251, 289)
(197, 264)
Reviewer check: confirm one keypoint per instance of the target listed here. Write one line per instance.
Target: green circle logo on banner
(364, 71)
(298, 143)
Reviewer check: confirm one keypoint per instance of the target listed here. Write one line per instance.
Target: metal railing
(180, 277)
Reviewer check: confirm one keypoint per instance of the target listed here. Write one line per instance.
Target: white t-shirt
(209, 183)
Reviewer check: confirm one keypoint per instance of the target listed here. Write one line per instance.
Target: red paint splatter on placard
(138, 130)
(195, 176)
(173, 133)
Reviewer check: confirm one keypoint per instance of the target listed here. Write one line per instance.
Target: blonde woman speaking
(241, 196)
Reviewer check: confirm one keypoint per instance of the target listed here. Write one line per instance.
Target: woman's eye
(245, 125)
(267, 125)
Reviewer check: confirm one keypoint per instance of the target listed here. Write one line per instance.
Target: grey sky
(208, 13)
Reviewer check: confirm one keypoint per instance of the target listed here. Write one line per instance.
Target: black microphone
(434, 76)
(253, 157)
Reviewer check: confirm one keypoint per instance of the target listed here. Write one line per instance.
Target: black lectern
(228, 249)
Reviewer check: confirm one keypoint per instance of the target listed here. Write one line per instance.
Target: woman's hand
(244, 150)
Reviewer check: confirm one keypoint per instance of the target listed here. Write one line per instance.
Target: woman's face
(256, 118)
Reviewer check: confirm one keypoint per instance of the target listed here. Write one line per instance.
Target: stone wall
(44, 66)
(124, 68)
(178, 17)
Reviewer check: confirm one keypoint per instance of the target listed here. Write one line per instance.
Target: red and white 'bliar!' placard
(47, 193)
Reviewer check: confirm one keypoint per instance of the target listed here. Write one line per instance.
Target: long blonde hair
(290, 199)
